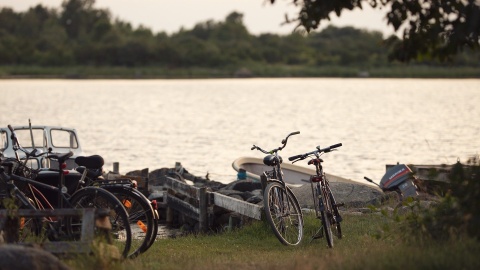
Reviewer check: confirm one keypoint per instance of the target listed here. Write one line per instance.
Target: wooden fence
(88, 215)
(199, 203)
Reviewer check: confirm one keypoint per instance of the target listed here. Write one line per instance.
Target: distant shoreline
(154, 72)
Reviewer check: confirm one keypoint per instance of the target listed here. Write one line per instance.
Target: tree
(431, 28)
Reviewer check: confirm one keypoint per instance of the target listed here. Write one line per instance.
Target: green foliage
(456, 215)
(435, 29)
(81, 35)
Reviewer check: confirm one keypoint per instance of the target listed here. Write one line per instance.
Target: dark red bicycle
(326, 208)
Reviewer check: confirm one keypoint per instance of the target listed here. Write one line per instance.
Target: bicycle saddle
(90, 162)
(270, 160)
(61, 158)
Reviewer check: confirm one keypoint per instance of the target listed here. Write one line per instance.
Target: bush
(458, 213)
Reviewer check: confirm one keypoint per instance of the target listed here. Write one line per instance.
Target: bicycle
(139, 208)
(29, 196)
(326, 207)
(281, 207)
(142, 212)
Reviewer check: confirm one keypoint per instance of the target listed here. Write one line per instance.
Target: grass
(370, 241)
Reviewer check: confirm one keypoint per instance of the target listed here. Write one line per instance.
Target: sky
(259, 16)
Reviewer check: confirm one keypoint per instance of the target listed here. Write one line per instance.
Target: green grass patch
(371, 241)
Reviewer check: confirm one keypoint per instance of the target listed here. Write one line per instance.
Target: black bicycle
(326, 208)
(281, 207)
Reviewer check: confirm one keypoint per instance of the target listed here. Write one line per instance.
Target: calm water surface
(206, 124)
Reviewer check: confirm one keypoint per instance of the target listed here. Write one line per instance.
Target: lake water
(206, 124)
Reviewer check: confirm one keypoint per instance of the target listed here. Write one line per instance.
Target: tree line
(79, 34)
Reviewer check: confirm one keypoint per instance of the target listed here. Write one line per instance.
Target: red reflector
(316, 178)
(63, 166)
(154, 204)
(66, 172)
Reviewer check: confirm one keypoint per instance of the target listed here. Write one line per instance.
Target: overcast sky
(259, 16)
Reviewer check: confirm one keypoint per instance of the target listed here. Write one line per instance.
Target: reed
(254, 70)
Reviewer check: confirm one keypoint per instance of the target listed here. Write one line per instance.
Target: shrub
(458, 212)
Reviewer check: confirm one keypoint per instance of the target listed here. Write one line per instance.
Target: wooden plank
(43, 213)
(182, 188)
(183, 207)
(238, 206)
(87, 233)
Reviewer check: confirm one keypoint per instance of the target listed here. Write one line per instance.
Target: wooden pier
(199, 204)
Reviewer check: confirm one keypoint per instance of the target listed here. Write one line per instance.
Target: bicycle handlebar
(284, 143)
(318, 151)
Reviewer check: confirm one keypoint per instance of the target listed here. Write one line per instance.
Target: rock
(157, 177)
(254, 199)
(352, 194)
(244, 185)
(21, 257)
(236, 194)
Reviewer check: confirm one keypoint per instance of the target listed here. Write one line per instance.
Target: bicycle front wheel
(283, 213)
(120, 233)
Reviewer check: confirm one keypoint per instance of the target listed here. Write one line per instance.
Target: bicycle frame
(38, 198)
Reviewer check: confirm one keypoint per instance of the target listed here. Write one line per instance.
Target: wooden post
(144, 175)
(116, 167)
(263, 181)
(169, 217)
(202, 207)
(88, 224)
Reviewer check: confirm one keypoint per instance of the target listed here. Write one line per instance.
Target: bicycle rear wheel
(283, 213)
(335, 218)
(140, 215)
(324, 208)
(92, 197)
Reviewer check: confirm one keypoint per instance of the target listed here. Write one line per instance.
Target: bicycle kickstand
(318, 234)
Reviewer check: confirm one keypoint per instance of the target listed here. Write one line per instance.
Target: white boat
(43, 138)
(292, 174)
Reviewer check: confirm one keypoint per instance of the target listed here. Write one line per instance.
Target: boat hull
(292, 174)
